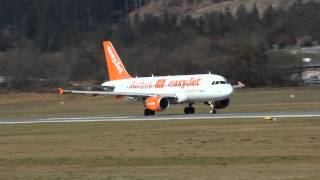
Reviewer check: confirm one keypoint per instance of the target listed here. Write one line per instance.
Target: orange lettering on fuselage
(184, 83)
(162, 83)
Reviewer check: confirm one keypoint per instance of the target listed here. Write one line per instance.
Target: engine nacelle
(157, 103)
(221, 104)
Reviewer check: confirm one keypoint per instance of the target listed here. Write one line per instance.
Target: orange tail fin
(116, 69)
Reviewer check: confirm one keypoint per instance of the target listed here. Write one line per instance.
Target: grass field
(195, 149)
(223, 149)
(245, 100)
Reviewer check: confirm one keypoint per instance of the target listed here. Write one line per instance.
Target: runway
(242, 115)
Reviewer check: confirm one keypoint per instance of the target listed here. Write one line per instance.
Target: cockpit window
(219, 82)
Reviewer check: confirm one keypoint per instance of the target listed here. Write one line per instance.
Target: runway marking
(158, 118)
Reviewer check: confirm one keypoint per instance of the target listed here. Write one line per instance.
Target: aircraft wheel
(148, 112)
(189, 110)
(186, 110)
(213, 111)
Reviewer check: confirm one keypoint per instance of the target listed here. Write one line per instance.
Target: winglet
(61, 91)
(239, 85)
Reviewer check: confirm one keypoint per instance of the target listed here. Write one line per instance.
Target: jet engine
(157, 103)
(221, 104)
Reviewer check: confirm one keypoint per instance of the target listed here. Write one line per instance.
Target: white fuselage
(187, 88)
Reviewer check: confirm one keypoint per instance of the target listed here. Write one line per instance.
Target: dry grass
(224, 149)
(53, 105)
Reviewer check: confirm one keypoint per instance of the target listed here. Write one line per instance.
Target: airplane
(157, 93)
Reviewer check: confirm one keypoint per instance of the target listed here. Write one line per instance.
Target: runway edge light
(270, 119)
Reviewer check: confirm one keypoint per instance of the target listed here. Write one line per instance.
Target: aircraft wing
(106, 93)
(239, 85)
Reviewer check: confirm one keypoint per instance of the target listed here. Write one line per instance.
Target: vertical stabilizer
(115, 67)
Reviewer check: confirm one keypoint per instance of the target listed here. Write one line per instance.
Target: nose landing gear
(189, 109)
(213, 110)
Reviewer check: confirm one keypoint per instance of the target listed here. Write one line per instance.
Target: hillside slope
(201, 7)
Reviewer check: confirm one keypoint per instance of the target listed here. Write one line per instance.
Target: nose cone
(229, 90)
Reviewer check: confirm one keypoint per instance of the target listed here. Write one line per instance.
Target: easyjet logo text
(115, 61)
(162, 83)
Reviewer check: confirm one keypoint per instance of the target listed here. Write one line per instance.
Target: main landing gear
(213, 110)
(148, 112)
(189, 109)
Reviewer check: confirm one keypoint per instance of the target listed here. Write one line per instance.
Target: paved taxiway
(245, 115)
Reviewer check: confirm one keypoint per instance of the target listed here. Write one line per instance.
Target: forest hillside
(45, 43)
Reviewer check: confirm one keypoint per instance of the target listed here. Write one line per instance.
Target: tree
(250, 64)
